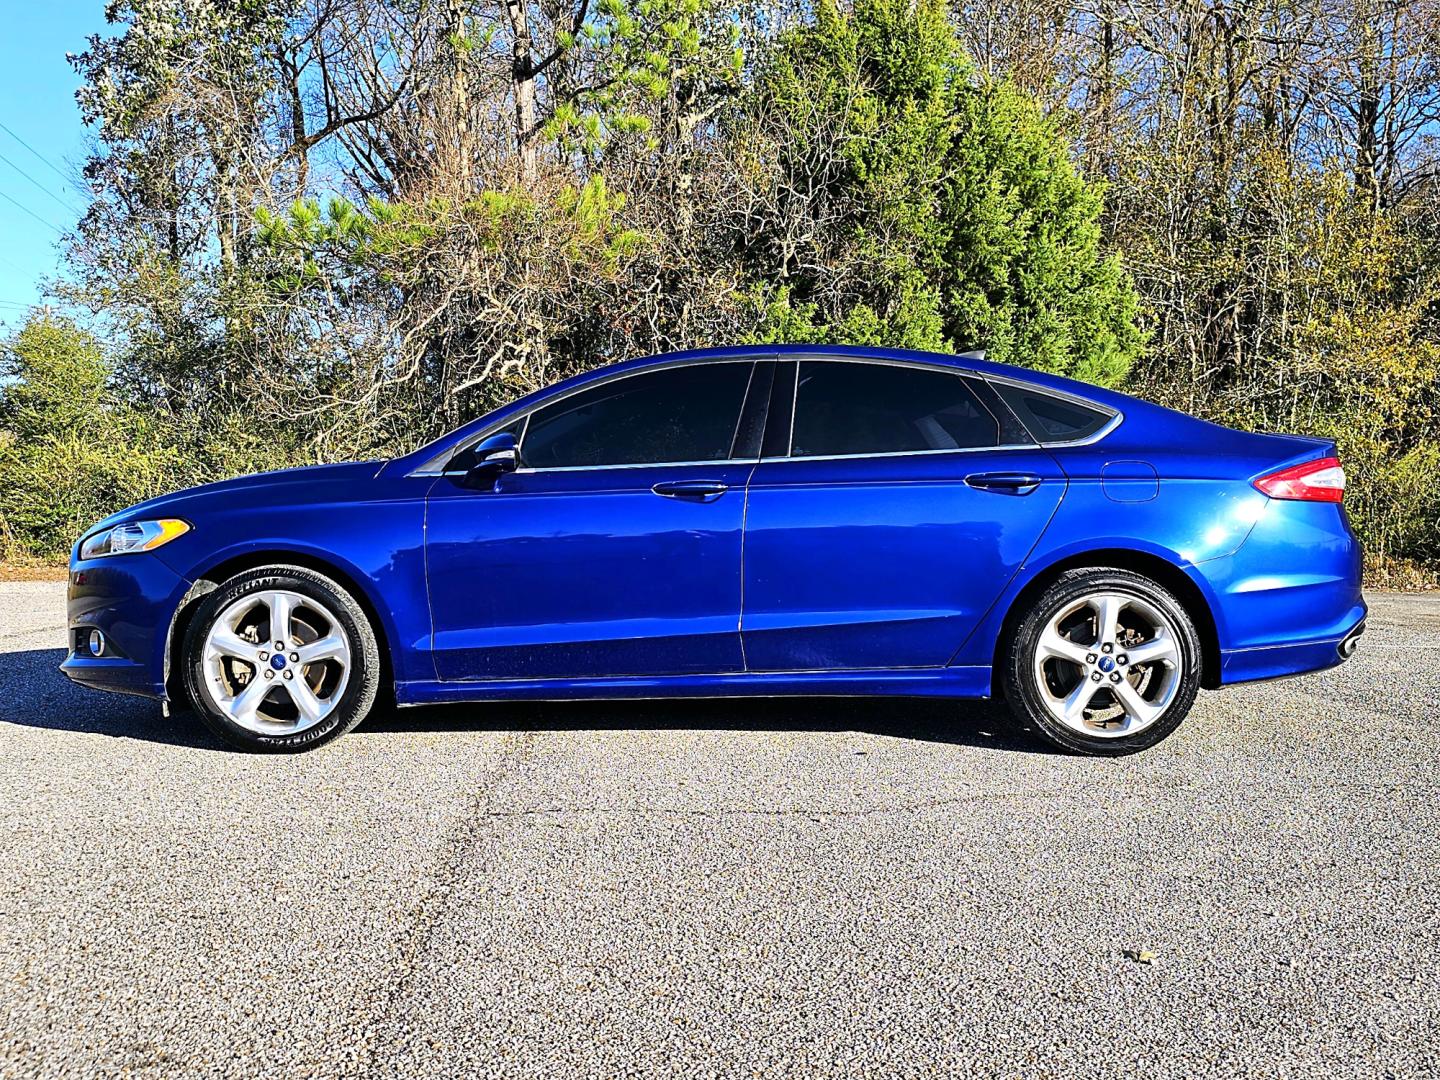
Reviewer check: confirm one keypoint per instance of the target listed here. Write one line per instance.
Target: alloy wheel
(276, 662)
(1108, 664)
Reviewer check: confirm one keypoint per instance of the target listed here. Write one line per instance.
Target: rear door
(887, 518)
(614, 550)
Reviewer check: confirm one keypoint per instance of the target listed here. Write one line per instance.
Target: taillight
(1322, 480)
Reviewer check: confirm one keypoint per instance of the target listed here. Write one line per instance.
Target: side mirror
(491, 458)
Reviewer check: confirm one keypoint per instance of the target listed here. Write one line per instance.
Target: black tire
(359, 693)
(1024, 696)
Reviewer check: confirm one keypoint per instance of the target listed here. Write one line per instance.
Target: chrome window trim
(435, 466)
(794, 404)
(636, 465)
(1105, 429)
(903, 453)
(432, 469)
(1116, 415)
(744, 401)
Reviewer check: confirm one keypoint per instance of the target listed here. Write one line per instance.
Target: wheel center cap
(277, 661)
(1106, 664)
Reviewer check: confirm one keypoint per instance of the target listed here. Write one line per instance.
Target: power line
(42, 187)
(47, 162)
(37, 217)
(13, 265)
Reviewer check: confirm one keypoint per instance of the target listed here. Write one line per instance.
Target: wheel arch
(212, 577)
(1150, 565)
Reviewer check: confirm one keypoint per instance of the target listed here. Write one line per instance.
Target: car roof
(971, 361)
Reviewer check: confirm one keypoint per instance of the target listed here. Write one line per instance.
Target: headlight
(132, 536)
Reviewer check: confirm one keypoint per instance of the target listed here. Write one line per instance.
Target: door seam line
(744, 536)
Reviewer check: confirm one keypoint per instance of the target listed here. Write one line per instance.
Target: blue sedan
(747, 521)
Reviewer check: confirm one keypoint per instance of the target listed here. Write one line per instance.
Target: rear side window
(1052, 419)
(678, 414)
(844, 408)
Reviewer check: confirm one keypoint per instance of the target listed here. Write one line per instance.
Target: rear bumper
(131, 600)
(1298, 658)
(1289, 598)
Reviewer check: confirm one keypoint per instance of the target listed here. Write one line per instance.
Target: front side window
(675, 415)
(844, 408)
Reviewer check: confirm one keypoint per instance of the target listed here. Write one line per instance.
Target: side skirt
(950, 682)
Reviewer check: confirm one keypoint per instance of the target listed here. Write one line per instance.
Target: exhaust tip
(1346, 648)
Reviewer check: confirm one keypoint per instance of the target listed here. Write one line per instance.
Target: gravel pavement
(779, 889)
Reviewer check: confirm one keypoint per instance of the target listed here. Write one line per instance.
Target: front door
(615, 548)
(897, 511)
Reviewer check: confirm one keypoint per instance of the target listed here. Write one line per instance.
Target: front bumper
(131, 599)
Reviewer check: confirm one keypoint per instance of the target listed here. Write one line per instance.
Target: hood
(174, 503)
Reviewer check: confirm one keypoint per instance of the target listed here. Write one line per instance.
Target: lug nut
(279, 646)
(1095, 675)
(294, 657)
(289, 674)
(1115, 677)
(1107, 647)
(264, 656)
(1089, 658)
(1122, 659)
(269, 674)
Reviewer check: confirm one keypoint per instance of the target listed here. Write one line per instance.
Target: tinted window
(1052, 419)
(679, 414)
(845, 408)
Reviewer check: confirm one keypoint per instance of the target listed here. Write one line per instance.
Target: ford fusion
(767, 521)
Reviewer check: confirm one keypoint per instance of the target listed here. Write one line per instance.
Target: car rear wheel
(1106, 662)
(281, 658)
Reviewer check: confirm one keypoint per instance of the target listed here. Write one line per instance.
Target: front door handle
(703, 490)
(1004, 483)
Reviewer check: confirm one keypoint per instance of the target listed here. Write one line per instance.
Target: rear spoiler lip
(1305, 448)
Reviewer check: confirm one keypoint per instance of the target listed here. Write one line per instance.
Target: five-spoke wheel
(1106, 662)
(277, 661)
(281, 658)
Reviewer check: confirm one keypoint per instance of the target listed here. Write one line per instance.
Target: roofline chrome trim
(939, 365)
(948, 369)
(1116, 415)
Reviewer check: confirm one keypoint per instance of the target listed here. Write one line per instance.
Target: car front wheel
(1106, 662)
(281, 658)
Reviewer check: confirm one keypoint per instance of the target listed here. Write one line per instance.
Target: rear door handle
(1004, 483)
(703, 490)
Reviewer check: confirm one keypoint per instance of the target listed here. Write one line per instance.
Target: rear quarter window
(1050, 418)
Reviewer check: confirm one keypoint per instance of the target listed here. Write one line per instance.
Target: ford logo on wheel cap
(277, 661)
(1105, 663)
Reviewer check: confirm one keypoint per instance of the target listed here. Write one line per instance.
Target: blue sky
(37, 104)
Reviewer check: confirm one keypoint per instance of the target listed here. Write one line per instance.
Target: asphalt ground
(775, 888)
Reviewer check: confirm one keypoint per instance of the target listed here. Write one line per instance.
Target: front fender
(390, 584)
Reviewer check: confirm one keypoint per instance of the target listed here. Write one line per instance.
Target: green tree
(1025, 272)
(69, 452)
(939, 209)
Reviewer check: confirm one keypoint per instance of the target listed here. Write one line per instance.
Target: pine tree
(949, 213)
